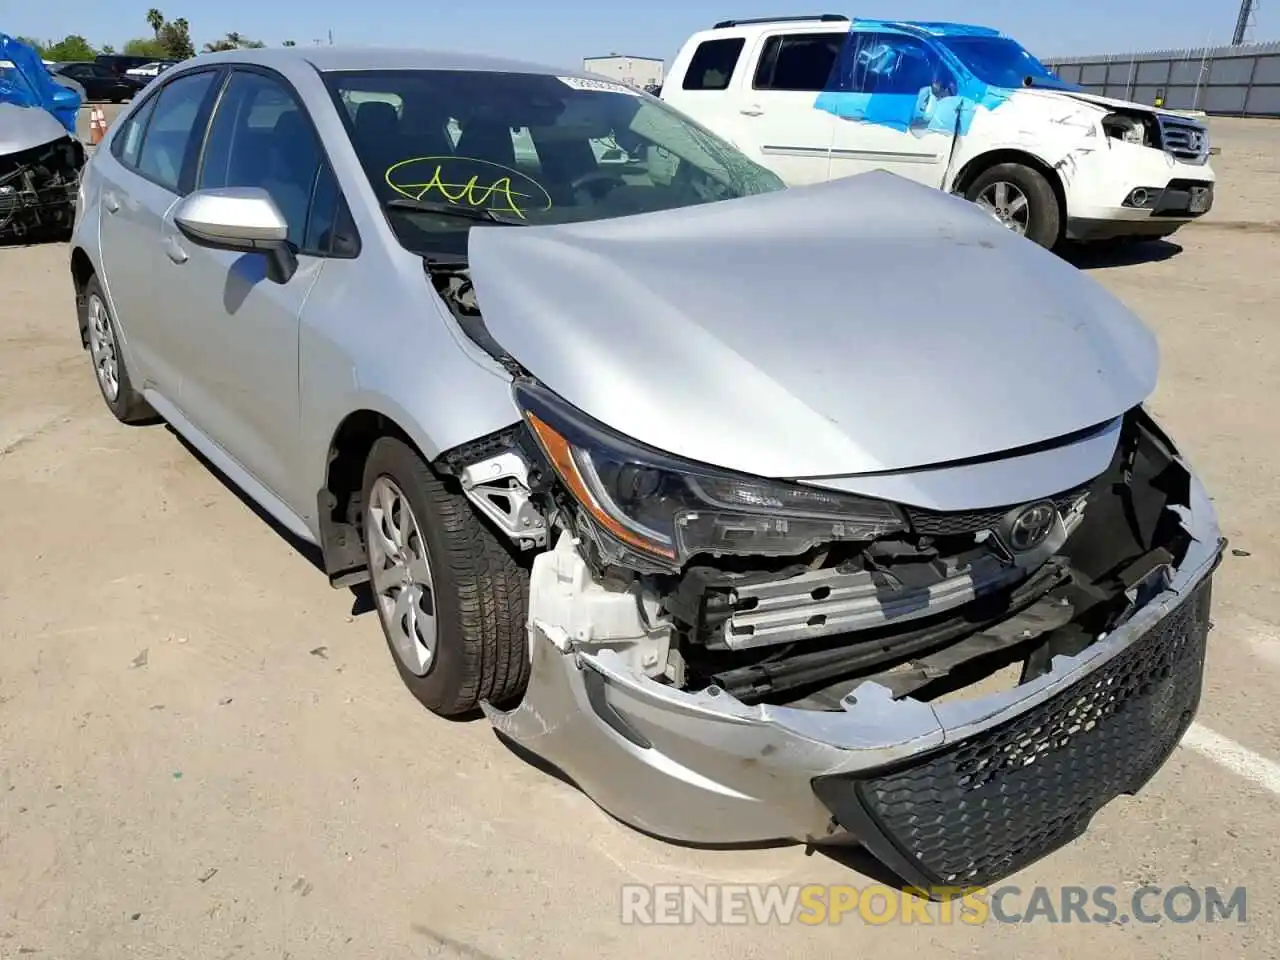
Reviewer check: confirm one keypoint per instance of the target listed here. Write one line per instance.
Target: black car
(98, 82)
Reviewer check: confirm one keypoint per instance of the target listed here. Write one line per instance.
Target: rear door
(240, 355)
(142, 178)
(777, 102)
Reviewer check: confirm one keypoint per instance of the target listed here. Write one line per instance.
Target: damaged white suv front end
(974, 611)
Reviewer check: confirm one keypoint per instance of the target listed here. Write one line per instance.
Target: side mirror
(242, 220)
(65, 97)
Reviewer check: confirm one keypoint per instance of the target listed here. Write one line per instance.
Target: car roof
(326, 59)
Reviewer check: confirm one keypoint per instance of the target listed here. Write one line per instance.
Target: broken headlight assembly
(1120, 126)
(662, 509)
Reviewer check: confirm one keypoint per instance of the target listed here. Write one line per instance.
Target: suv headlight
(668, 509)
(1126, 128)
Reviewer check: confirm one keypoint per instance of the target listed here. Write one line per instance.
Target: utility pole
(1247, 10)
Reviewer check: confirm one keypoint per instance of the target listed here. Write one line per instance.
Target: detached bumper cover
(987, 806)
(952, 792)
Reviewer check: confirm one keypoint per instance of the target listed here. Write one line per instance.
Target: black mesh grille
(936, 523)
(983, 808)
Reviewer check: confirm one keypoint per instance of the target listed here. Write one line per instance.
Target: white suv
(958, 107)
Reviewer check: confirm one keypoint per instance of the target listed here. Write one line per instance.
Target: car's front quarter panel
(375, 335)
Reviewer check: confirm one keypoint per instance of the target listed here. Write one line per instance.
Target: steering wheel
(596, 177)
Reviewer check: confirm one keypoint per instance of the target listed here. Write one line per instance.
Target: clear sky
(564, 31)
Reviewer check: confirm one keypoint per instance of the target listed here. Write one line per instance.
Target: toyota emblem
(1031, 526)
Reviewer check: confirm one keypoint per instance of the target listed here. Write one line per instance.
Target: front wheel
(451, 599)
(1022, 199)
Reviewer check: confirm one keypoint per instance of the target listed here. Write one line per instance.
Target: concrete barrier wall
(1229, 81)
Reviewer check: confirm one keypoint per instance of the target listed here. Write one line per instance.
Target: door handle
(751, 111)
(110, 202)
(173, 250)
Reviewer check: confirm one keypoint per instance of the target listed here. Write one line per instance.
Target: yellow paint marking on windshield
(516, 192)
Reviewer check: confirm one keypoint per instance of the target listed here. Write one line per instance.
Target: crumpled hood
(22, 128)
(1104, 104)
(864, 324)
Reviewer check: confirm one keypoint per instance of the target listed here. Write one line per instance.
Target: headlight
(669, 510)
(1124, 127)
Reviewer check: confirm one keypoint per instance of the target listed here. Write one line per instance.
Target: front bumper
(1131, 190)
(958, 791)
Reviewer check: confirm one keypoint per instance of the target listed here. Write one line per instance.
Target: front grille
(937, 523)
(980, 809)
(1187, 141)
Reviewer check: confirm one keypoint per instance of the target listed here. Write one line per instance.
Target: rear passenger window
(712, 64)
(128, 140)
(172, 127)
(799, 61)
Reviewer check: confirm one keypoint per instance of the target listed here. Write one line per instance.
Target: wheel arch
(82, 270)
(338, 499)
(975, 167)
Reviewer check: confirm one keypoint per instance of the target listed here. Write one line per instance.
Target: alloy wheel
(102, 348)
(401, 576)
(1008, 204)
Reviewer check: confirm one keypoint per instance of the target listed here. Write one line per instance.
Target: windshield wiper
(479, 214)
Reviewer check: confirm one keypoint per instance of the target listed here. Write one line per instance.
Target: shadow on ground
(1106, 255)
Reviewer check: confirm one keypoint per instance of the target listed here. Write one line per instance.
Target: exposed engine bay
(38, 188)
(921, 602)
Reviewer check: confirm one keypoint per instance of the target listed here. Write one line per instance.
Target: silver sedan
(829, 513)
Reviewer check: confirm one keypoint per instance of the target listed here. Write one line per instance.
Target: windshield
(531, 148)
(1001, 62)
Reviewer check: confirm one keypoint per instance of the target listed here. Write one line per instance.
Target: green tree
(73, 47)
(175, 37)
(155, 20)
(288, 43)
(145, 47)
(233, 41)
(108, 48)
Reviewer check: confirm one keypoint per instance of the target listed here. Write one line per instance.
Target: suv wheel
(101, 334)
(1022, 199)
(451, 599)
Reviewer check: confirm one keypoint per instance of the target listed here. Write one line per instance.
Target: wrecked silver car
(831, 513)
(40, 157)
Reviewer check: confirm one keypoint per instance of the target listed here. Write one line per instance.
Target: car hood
(1103, 103)
(862, 325)
(22, 128)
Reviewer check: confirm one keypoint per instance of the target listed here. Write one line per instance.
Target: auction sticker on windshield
(600, 86)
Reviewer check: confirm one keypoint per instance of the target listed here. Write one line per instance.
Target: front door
(895, 107)
(140, 181)
(777, 108)
(240, 360)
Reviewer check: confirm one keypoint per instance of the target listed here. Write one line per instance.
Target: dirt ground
(204, 752)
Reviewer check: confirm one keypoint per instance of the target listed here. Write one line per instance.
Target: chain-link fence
(1232, 81)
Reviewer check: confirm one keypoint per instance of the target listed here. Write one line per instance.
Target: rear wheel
(1022, 199)
(451, 599)
(102, 336)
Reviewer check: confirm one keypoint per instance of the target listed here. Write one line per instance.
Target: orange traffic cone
(97, 125)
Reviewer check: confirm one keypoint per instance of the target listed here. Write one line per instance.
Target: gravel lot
(205, 753)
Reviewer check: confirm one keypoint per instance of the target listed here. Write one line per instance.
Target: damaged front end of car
(909, 659)
(40, 168)
(959, 692)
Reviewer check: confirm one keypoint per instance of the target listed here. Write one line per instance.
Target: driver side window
(890, 63)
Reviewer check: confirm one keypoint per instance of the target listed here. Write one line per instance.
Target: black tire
(1044, 219)
(128, 405)
(479, 594)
